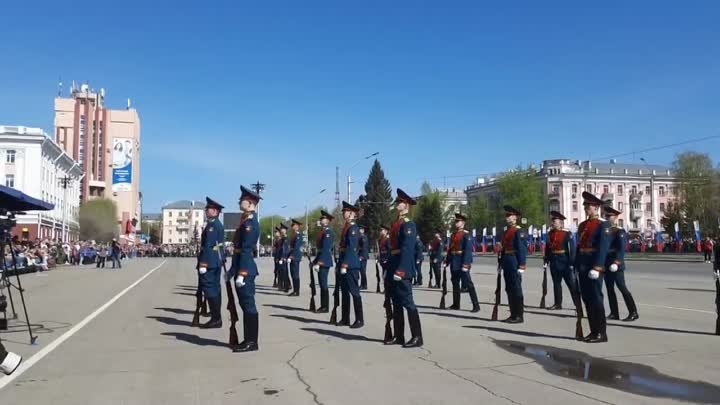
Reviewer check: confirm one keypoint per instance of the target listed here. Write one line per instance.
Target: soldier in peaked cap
(210, 259)
(324, 259)
(244, 270)
(560, 256)
(615, 268)
(400, 272)
(590, 262)
(459, 258)
(384, 248)
(512, 261)
(419, 256)
(276, 248)
(295, 256)
(436, 252)
(350, 267)
(283, 273)
(364, 253)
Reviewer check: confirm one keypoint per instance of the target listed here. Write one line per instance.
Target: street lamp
(349, 179)
(272, 220)
(307, 231)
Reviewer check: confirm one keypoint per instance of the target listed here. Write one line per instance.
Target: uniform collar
(594, 217)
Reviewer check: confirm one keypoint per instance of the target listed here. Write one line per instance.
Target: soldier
(295, 256)
(615, 263)
(283, 273)
(324, 259)
(400, 271)
(592, 250)
(384, 247)
(436, 256)
(244, 270)
(275, 251)
(459, 258)
(418, 260)
(364, 251)
(560, 256)
(350, 268)
(9, 361)
(512, 261)
(209, 261)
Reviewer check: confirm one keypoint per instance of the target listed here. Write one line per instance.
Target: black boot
(511, 306)
(324, 301)
(474, 299)
(344, 311)
(632, 308)
(296, 288)
(359, 320)
(251, 341)
(519, 307)
(398, 327)
(613, 317)
(456, 300)
(555, 307)
(215, 316)
(415, 329)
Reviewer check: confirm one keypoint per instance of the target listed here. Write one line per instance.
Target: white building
(34, 164)
(180, 220)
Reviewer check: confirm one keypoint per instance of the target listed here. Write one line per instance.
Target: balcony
(608, 197)
(554, 195)
(636, 213)
(636, 196)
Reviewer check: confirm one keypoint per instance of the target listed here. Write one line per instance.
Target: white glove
(202, 270)
(316, 267)
(594, 274)
(521, 271)
(613, 267)
(717, 275)
(434, 260)
(280, 261)
(466, 269)
(240, 281)
(343, 270)
(545, 266)
(396, 277)
(289, 259)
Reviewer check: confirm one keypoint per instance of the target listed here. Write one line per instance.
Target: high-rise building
(106, 145)
(183, 222)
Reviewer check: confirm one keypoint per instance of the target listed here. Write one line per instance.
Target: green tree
(481, 213)
(266, 228)
(98, 220)
(152, 230)
(429, 213)
(522, 190)
(376, 203)
(698, 191)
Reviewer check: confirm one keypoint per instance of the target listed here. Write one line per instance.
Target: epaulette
(466, 231)
(406, 219)
(250, 216)
(566, 230)
(518, 226)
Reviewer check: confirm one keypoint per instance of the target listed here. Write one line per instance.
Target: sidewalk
(640, 257)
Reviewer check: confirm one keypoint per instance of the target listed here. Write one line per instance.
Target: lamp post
(349, 178)
(307, 230)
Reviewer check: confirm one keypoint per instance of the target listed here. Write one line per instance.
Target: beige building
(106, 145)
(181, 221)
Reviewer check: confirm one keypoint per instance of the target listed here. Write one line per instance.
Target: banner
(122, 164)
(678, 241)
(698, 237)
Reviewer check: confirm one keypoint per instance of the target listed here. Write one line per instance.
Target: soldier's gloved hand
(717, 275)
(289, 259)
(343, 270)
(545, 266)
(614, 267)
(398, 276)
(240, 281)
(434, 261)
(594, 274)
(521, 270)
(202, 270)
(316, 267)
(280, 261)
(466, 269)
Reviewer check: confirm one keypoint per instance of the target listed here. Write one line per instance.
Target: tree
(267, 233)
(429, 213)
(698, 197)
(98, 220)
(522, 190)
(481, 214)
(376, 203)
(152, 230)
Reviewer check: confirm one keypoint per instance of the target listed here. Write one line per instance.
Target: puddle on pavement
(628, 377)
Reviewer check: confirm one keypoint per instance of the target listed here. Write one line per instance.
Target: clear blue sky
(283, 91)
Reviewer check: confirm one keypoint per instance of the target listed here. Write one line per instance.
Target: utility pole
(64, 183)
(259, 188)
(337, 186)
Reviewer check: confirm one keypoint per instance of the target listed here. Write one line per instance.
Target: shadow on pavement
(170, 321)
(189, 294)
(693, 289)
(340, 335)
(454, 314)
(518, 332)
(286, 307)
(196, 340)
(186, 286)
(178, 311)
(300, 319)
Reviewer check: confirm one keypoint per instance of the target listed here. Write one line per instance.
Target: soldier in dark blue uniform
(244, 270)
(364, 253)
(384, 247)
(560, 256)
(594, 236)
(615, 268)
(209, 261)
(283, 273)
(294, 256)
(350, 267)
(400, 272)
(512, 261)
(277, 238)
(418, 260)
(437, 248)
(459, 258)
(324, 259)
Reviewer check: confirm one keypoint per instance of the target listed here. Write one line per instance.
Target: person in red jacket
(708, 250)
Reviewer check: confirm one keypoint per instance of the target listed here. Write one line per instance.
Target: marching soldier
(244, 270)
(364, 251)
(560, 256)
(400, 271)
(350, 268)
(615, 263)
(512, 261)
(209, 262)
(324, 259)
(418, 261)
(283, 273)
(275, 251)
(436, 256)
(459, 258)
(590, 262)
(295, 256)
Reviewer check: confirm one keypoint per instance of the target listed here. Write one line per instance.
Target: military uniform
(399, 274)
(209, 261)
(513, 260)
(560, 256)
(436, 258)
(418, 261)
(244, 271)
(295, 257)
(275, 252)
(349, 271)
(615, 271)
(459, 257)
(591, 254)
(283, 273)
(384, 249)
(364, 251)
(324, 261)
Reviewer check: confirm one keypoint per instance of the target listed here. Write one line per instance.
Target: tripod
(6, 283)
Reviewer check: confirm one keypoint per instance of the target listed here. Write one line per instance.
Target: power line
(671, 145)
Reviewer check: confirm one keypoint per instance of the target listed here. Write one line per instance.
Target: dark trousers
(363, 274)
(101, 262)
(708, 256)
(559, 274)
(295, 274)
(116, 260)
(435, 268)
(210, 285)
(349, 286)
(246, 296)
(592, 296)
(618, 278)
(461, 280)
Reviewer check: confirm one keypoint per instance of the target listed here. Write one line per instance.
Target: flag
(474, 240)
(678, 241)
(484, 240)
(698, 237)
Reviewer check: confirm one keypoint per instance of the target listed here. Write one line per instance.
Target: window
(575, 221)
(649, 223)
(575, 206)
(633, 190)
(588, 188)
(606, 189)
(169, 231)
(662, 207)
(621, 223)
(661, 191)
(10, 180)
(197, 213)
(170, 213)
(556, 189)
(648, 207)
(620, 190)
(620, 206)
(170, 240)
(673, 191)
(574, 188)
(10, 156)
(647, 190)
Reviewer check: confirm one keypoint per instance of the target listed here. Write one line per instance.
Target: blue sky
(230, 92)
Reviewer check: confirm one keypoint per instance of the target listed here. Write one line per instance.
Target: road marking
(25, 365)
(679, 309)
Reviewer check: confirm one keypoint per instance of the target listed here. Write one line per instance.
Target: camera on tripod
(7, 220)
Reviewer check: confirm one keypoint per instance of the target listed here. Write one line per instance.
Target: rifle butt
(333, 316)
(233, 336)
(377, 290)
(204, 311)
(388, 331)
(312, 304)
(542, 302)
(494, 316)
(196, 319)
(579, 330)
(442, 302)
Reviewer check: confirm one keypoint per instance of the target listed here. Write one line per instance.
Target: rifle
(233, 341)
(387, 304)
(336, 299)
(204, 310)
(430, 276)
(498, 286)
(444, 287)
(377, 276)
(578, 309)
(312, 284)
(717, 301)
(198, 306)
(544, 286)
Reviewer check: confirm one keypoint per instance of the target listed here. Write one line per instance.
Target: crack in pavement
(489, 367)
(299, 376)
(640, 355)
(553, 386)
(475, 383)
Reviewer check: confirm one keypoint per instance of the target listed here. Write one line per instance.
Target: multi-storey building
(181, 221)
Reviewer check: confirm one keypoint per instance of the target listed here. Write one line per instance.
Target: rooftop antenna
(128, 103)
(59, 89)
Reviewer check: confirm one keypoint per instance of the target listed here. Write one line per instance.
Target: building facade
(106, 145)
(34, 164)
(641, 192)
(182, 221)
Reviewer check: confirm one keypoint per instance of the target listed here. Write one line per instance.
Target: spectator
(102, 254)
(116, 254)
